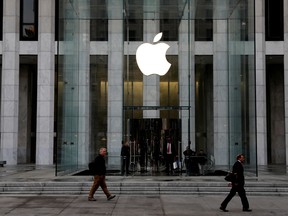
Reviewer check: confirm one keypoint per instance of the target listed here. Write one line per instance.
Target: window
(169, 20)
(133, 27)
(59, 22)
(98, 21)
(274, 26)
(1, 20)
(169, 27)
(133, 20)
(29, 20)
(204, 30)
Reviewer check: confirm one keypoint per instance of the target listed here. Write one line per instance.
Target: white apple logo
(151, 58)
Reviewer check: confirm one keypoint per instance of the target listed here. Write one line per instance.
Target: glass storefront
(205, 101)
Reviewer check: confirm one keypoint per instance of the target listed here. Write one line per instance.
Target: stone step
(139, 188)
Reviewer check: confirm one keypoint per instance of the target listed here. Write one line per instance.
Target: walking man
(237, 185)
(99, 172)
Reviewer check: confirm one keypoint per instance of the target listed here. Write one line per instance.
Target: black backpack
(91, 167)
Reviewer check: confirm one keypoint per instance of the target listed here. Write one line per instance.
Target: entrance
(148, 139)
(27, 110)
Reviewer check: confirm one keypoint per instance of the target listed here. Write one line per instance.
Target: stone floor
(137, 205)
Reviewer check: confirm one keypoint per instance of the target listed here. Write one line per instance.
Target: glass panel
(242, 127)
(133, 25)
(204, 120)
(168, 101)
(169, 90)
(68, 92)
(133, 87)
(98, 26)
(98, 101)
(204, 30)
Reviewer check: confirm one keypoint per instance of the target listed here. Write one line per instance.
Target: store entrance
(148, 140)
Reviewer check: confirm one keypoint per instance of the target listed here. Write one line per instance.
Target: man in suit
(237, 185)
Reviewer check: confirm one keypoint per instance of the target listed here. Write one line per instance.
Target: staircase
(141, 188)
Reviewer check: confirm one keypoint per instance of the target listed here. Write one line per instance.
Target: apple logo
(151, 58)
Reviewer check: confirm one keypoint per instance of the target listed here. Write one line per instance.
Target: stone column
(151, 85)
(187, 76)
(10, 82)
(286, 74)
(220, 86)
(252, 84)
(261, 119)
(45, 83)
(115, 83)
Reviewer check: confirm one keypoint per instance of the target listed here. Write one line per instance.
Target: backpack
(91, 167)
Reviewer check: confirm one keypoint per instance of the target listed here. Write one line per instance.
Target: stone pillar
(10, 82)
(184, 73)
(115, 84)
(45, 83)
(252, 85)
(220, 87)
(286, 75)
(187, 76)
(151, 85)
(261, 119)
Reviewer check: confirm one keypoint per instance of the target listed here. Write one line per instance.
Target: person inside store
(156, 153)
(169, 153)
(125, 157)
(98, 169)
(187, 159)
(202, 159)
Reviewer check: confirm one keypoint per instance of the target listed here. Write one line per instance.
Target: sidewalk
(138, 205)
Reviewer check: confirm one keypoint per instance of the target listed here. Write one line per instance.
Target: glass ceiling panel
(168, 9)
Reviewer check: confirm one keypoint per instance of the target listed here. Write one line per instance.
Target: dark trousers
(242, 194)
(125, 165)
(169, 163)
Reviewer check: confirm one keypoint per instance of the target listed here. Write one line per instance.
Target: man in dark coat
(237, 185)
(125, 156)
(188, 153)
(98, 169)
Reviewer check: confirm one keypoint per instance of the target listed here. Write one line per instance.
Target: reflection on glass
(203, 30)
(169, 89)
(204, 122)
(98, 102)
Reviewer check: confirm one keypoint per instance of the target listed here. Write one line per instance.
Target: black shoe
(111, 197)
(223, 209)
(247, 210)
